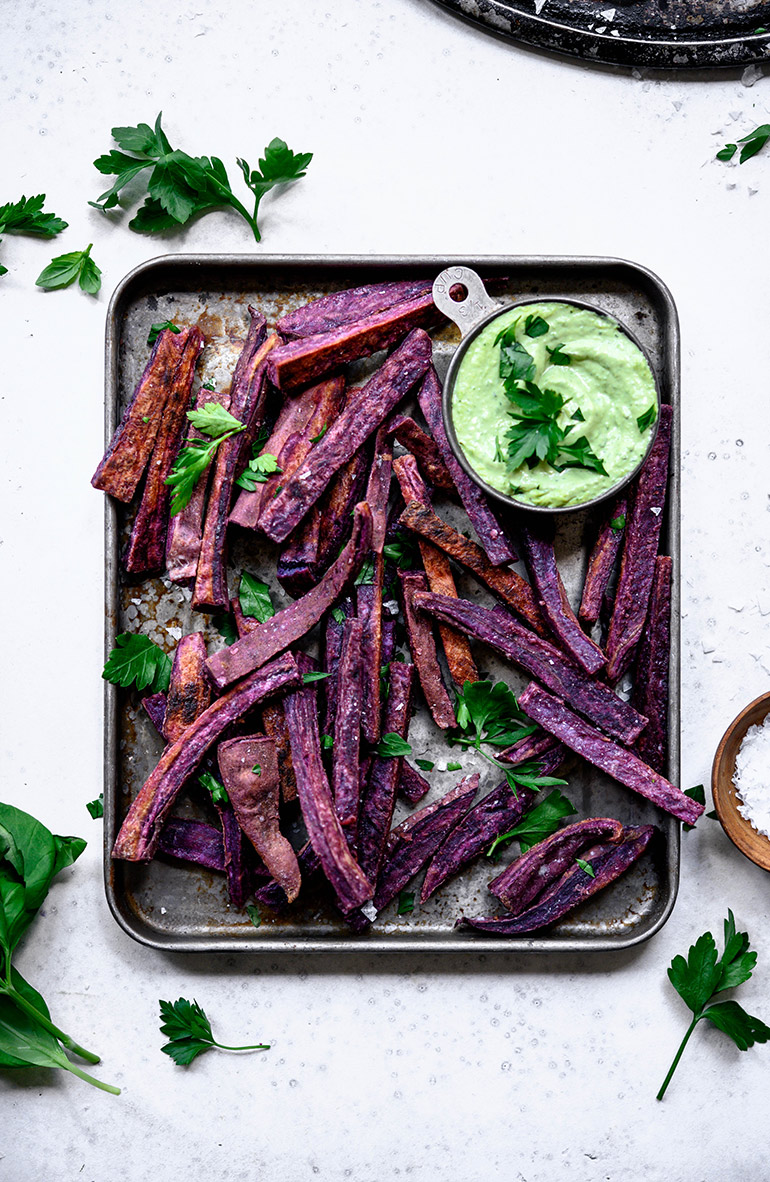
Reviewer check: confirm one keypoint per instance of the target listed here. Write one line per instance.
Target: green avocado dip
(553, 404)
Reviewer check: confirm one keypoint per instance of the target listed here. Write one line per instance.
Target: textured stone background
(429, 137)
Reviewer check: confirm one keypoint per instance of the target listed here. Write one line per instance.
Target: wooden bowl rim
(752, 844)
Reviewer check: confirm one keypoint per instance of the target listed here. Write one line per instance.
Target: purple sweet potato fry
(553, 603)
(494, 815)
(510, 587)
(490, 533)
(292, 622)
(618, 762)
(530, 747)
(424, 450)
(378, 488)
(364, 411)
(239, 861)
(192, 841)
(274, 722)
(249, 769)
(369, 611)
(346, 307)
(155, 709)
(415, 841)
(540, 659)
(298, 566)
(333, 630)
(411, 784)
(347, 728)
(336, 506)
(601, 562)
(189, 690)
(247, 402)
(379, 797)
(573, 888)
(459, 659)
(129, 451)
(308, 359)
(422, 646)
(388, 638)
(650, 692)
(522, 882)
(146, 549)
(300, 420)
(350, 885)
(637, 564)
(272, 893)
(139, 832)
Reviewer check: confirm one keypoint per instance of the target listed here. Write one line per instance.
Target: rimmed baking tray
(177, 908)
(659, 34)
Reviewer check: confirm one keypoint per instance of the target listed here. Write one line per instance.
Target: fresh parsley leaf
(585, 866)
(727, 152)
(754, 142)
(578, 455)
(195, 457)
(540, 822)
(647, 419)
(180, 186)
(214, 787)
(26, 216)
(253, 913)
(499, 457)
(327, 742)
(255, 598)
(558, 356)
(489, 713)
(405, 903)
(257, 769)
(309, 678)
(66, 268)
(618, 523)
(366, 573)
(338, 615)
(535, 326)
(516, 363)
(403, 552)
(189, 1032)
(157, 329)
(425, 765)
(257, 471)
(578, 415)
(224, 622)
(454, 767)
(96, 807)
(703, 975)
(136, 660)
(391, 746)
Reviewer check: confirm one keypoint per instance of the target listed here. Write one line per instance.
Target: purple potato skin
(189, 690)
(651, 676)
(346, 307)
(346, 778)
(192, 841)
(423, 649)
(412, 785)
(602, 562)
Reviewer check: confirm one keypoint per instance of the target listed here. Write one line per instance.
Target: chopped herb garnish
(327, 742)
(213, 786)
(209, 385)
(697, 792)
(257, 769)
(425, 765)
(366, 573)
(752, 143)
(253, 913)
(224, 622)
(578, 415)
(391, 746)
(309, 678)
(136, 660)
(403, 552)
(189, 1031)
(454, 767)
(254, 596)
(157, 329)
(535, 326)
(406, 903)
(540, 822)
(145, 418)
(647, 419)
(618, 523)
(317, 438)
(558, 356)
(257, 471)
(96, 807)
(702, 976)
(499, 457)
(585, 866)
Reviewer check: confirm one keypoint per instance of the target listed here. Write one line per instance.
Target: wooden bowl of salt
(751, 753)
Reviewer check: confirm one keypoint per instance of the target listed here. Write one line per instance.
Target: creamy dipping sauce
(608, 381)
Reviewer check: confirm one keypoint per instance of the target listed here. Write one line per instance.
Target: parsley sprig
(702, 976)
(66, 268)
(137, 660)
(27, 216)
(752, 143)
(536, 435)
(194, 458)
(189, 1032)
(537, 824)
(489, 713)
(180, 187)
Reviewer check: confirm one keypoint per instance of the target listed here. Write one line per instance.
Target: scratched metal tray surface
(173, 907)
(661, 34)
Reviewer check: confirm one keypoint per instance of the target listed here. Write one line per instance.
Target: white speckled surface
(544, 1069)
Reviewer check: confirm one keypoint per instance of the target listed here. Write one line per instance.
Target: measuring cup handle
(473, 307)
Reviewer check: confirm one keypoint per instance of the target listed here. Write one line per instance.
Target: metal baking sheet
(177, 908)
(661, 34)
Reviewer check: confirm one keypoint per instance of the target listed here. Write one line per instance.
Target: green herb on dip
(518, 398)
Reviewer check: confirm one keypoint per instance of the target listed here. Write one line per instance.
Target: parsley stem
(677, 1057)
(47, 1024)
(232, 200)
(260, 1046)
